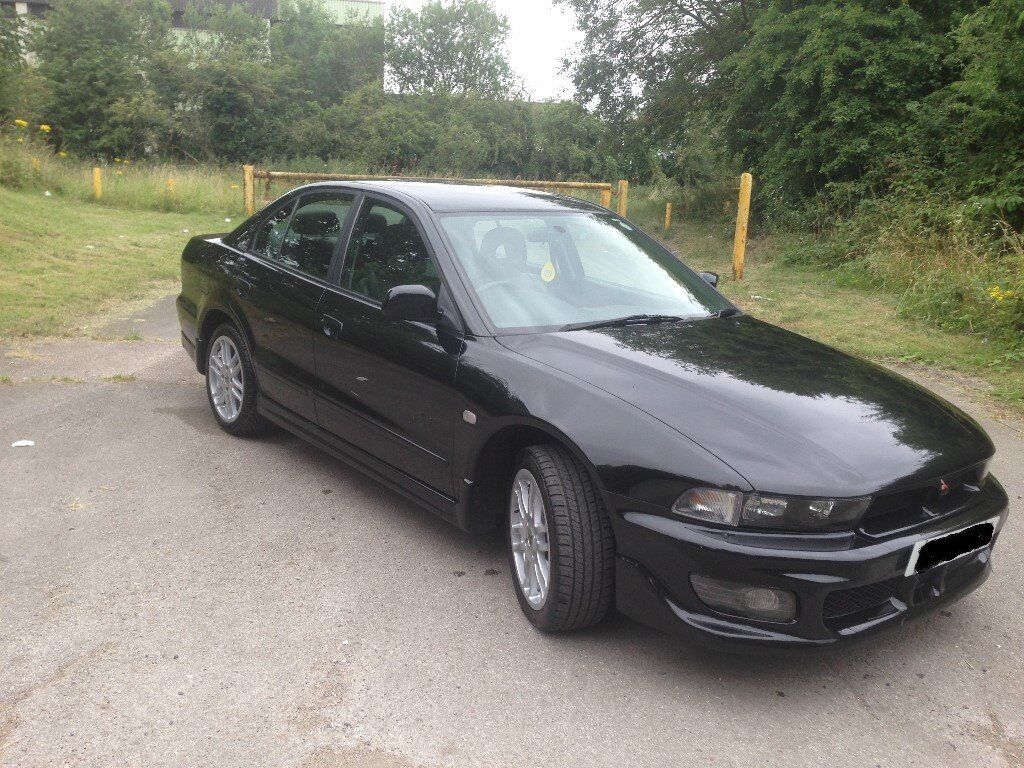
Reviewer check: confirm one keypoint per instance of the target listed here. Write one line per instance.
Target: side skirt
(396, 480)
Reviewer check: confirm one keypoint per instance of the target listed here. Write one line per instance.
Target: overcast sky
(541, 35)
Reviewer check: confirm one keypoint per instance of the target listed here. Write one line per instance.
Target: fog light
(748, 600)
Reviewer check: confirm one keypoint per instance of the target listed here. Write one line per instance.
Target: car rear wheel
(231, 383)
(560, 544)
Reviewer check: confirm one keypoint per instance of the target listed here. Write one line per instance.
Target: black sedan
(517, 359)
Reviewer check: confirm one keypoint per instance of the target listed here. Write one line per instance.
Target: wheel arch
(490, 469)
(211, 319)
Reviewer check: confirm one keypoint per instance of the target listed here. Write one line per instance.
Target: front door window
(386, 250)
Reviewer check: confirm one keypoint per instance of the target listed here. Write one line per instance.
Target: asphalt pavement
(173, 596)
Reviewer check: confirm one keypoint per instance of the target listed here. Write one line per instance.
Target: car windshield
(564, 270)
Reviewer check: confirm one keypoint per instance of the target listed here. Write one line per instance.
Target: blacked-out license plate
(941, 549)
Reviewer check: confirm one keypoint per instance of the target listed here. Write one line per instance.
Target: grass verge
(62, 261)
(841, 309)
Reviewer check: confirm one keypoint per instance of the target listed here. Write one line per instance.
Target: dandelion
(44, 128)
(62, 154)
(234, 186)
(21, 123)
(21, 140)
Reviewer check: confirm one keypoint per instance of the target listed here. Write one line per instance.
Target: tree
(95, 55)
(568, 141)
(328, 60)
(12, 63)
(972, 129)
(455, 47)
(814, 96)
(637, 52)
(820, 97)
(236, 101)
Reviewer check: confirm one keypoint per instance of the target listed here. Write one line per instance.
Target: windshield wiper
(620, 322)
(727, 312)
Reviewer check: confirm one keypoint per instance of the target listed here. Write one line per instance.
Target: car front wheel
(231, 383)
(560, 543)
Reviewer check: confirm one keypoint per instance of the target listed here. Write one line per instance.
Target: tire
(579, 541)
(236, 416)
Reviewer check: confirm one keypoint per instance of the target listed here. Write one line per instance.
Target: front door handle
(332, 326)
(242, 287)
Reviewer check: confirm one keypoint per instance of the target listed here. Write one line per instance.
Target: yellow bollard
(623, 197)
(668, 216)
(249, 189)
(739, 246)
(97, 183)
(606, 197)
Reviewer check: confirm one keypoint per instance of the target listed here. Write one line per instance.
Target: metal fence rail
(251, 175)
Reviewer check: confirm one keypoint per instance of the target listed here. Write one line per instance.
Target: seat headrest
(316, 223)
(511, 240)
(375, 224)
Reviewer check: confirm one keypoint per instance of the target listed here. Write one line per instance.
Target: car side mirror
(411, 302)
(711, 278)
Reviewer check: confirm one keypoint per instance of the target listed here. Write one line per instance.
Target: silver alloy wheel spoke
(528, 528)
(227, 385)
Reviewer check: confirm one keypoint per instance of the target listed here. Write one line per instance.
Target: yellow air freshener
(547, 272)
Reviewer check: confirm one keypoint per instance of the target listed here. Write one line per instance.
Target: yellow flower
(21, 123)
(62, 154)
(45, 128)
(234, 186)
(21, 140)
(999, 294)
(117, 159)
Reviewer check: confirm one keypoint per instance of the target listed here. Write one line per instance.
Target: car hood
(789, 414)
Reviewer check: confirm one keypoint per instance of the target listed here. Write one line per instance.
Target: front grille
(846, 602)
(905, 509)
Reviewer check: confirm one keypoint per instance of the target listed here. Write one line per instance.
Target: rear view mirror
(411, 302)
(711, 278)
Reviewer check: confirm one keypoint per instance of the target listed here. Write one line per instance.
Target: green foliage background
(887, 132)
(115, 82)
(891, 132)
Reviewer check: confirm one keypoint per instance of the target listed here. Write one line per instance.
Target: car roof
(449, 197)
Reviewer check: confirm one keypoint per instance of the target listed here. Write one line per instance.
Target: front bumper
(847, 585)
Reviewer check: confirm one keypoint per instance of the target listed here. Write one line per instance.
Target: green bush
(948, 262)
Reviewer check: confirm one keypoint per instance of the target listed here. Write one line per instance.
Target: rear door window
(314, 231)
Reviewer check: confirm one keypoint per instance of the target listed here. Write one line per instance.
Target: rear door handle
(332, 326)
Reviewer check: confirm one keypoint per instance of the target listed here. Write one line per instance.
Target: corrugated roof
(345, 11)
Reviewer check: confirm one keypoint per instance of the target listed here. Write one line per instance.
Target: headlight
(711, 505)
(764, 511)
